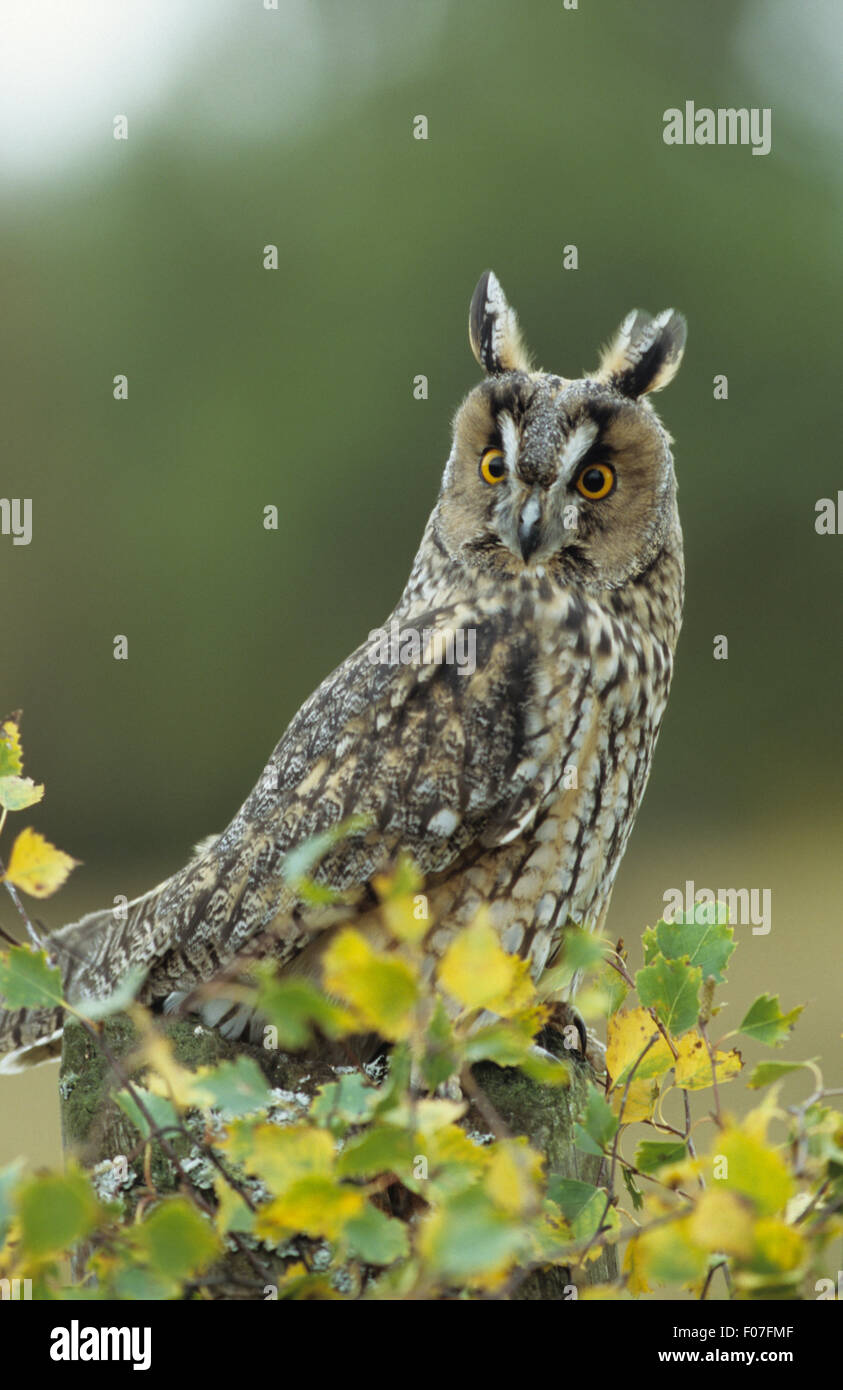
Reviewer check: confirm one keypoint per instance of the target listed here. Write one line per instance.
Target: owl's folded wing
(435, 758)
(443, 759)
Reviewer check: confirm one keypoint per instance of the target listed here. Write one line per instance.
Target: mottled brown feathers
(513, 778)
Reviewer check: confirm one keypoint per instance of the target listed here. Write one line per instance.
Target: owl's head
(569, 478)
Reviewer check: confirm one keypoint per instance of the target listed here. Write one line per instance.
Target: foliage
(35, 865)
(379, 1185)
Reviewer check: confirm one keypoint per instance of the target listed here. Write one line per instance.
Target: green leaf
(176, 1240)
(503, 1043)
(382, 1149)
(124, 995)
(635, 1193)
(706, 944)
(598, 1125)
(376, 1238)
(232, 1212)
(467, 1237)
(295, 1007)
(767, 1072)
(613, 986)
(138, 1285)
(27, 981)
(350, 1100)
(237, 1087)
(161, 1110)
(547, 1071)
(299, 862)
(440, 1059)
(581, 1204)
(583, 950)
(766, 1023)
(653, 1154)
(672, 989)
(16, 793)
(55, 1211)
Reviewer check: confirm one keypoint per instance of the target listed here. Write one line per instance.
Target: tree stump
(97, 1133)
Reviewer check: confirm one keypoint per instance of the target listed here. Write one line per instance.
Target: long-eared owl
(499, 729)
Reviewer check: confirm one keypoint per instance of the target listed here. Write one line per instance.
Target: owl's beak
(530, 525)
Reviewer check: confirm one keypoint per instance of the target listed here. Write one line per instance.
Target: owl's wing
(435, 758)
(440, 759)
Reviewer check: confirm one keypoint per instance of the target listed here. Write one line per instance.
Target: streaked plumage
(575, 604)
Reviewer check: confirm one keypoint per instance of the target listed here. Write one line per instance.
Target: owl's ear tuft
(645, 354)
(493, 329)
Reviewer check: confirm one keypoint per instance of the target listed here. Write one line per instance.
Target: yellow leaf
(640, 1100)
(232, 1212)
(513, 1175)
(425, 1116)
(168, 1077)
(36, 866)
(721, 1222)
(629, 1032)
(748, 1165)
(693, 1064)
(403, 906)
(479, 974)
(280, 1157)
(402, 919)
(633, 1267)
(11, 753)
(315, 1206)
(669, 1254)
(382, 987)
(778, 1248)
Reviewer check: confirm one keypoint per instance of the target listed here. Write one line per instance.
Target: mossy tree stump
(98, 1134)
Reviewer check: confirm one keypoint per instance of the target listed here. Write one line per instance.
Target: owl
(499, 727)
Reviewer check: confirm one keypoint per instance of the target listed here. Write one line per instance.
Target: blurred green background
(294, 387)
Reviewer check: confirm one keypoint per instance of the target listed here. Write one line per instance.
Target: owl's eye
(596, 481)
(492, 466)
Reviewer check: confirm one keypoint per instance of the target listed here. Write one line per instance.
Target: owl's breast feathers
(543, 746)
(513, 784)
(512, 777)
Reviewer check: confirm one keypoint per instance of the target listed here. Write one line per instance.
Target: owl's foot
(567, 1022)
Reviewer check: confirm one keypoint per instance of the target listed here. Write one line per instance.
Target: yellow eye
(492, 466)
(596, 481)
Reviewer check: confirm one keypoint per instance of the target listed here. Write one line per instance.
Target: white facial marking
(509, 439)
(576, 445)
(531, 510)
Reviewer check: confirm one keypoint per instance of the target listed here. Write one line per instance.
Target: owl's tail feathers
(29, 1037)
